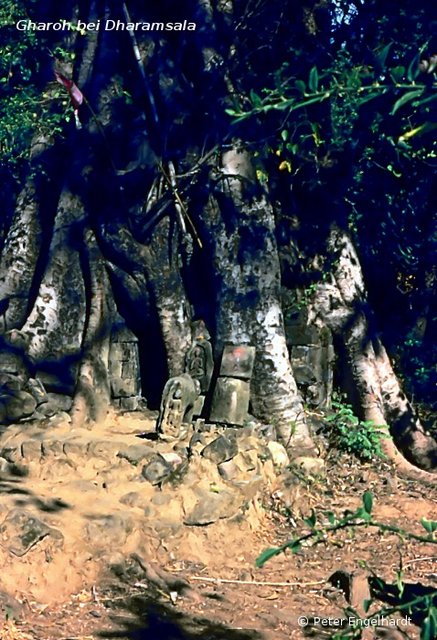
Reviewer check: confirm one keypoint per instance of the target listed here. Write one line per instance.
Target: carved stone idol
(230, 402)
(199, 362)
(177, 404)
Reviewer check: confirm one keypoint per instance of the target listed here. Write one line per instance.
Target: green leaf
(420, 103)
(295, 546)
(413, 69)
(362, 514)
(407, 97)
(313, 80)
(301, 86)
(284, 135)
(383, 53)
(368, 97)
(366, 605)
(331, 518)
(429, 626)
(311, 519)
(368, 501)
(397, 74)
(266, 555)
(255, 99)
(429, 525)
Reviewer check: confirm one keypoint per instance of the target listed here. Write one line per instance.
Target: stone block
(16, 405)
(212, 507)
(230, 401)
(57, 402)
(237, 361)
(198, 406)
(220, 450)
(124, 368)
(129, 404)
(31, 450)
(279, 454)
(135, 453)
(228, 470)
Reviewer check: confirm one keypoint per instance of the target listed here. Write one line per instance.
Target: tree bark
(92, 393)
(340, 302)
(19, 259)
(240, 234)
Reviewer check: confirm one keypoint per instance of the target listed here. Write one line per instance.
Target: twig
(420, 560)
(258, 583)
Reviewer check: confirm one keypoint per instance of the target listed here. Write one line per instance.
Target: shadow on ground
(151, 620)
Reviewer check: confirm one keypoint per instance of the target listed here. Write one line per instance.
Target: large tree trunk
(340, 302)
(240, 234)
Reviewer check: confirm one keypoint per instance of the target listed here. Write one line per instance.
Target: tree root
(404, 468)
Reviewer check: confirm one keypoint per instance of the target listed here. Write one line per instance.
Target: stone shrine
(230, 402)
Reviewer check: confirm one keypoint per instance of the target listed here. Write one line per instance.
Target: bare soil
(116, 578)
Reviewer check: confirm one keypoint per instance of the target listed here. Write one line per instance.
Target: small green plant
(322, 525)
(359, 437)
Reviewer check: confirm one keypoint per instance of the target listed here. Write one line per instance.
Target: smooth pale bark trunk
(240, 230)
(92, 393)
(19, 259)
(56, 322)
(340, 302)
(169, 296)
(408, 431)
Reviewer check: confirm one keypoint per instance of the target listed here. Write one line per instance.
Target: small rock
(310, 465)
(76, 450)
(31, 450)
(197, 442)
(107, 450)
(212, 507)
(228, 470)
(52, 448)
(279, 454)
(136, 453)
(161, 499)
(60, 401)
(36, 388)
(17, 405)
(129, 404)
(156, 469)
(220, 450)
(10, 606)
(84, 486)
(21, 530)
(267, 431)
(247, 460)
(166, 528)
(109, 531)
(11, 454)
(60, 417)
(249, 487)
(172, 458)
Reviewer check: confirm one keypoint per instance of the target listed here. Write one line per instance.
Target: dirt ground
(125, 581)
